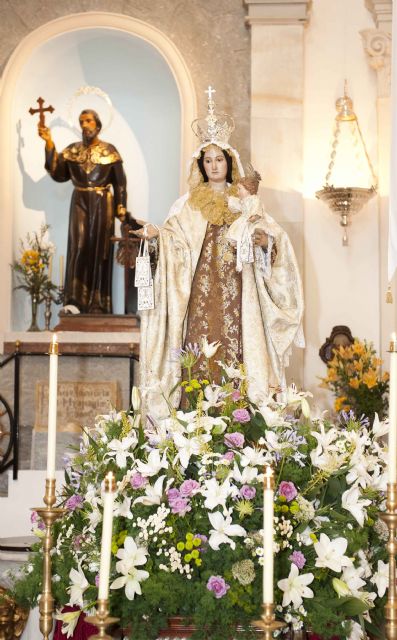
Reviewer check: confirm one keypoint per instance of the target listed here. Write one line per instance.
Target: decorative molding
(382, 13)
(277, 11)
(377, 45)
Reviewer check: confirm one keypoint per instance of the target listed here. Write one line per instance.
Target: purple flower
(218, 586)
(74, 502)
(97, 580)
(236, 395)
(288, 490)
(241, 415)
(298, 559)
(229, 456)
(247, 492)
(137, 480)
(77, 541)
(180, 506)
(36, 520)
(173, 494)
(235, 440)
(204, 542)
(189, 488)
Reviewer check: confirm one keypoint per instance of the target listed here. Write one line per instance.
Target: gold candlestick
(101, 620)
(49, 514)
(268, 623)
(390, 518)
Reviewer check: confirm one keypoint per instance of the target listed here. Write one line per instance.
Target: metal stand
(390, 518)
(49, 515)
(101, 621)
(268, 623)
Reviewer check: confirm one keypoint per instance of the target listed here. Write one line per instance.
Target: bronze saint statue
(96, 171)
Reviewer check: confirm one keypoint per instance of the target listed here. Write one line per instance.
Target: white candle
(393, 410)
(52, 408)
(268, 519)
(108, 494)
(61, 271)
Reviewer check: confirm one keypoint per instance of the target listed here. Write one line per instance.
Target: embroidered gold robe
(271, 309)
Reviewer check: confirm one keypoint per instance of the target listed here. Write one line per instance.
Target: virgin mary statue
(255, 314)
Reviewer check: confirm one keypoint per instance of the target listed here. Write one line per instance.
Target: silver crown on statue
(215, 127)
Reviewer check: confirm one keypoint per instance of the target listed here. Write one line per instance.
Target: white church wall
(341, 283)
(145, 127)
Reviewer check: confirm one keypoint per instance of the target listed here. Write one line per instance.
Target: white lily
(216, 494)
(246, 476)
(379, 428)
(381, 578)
(272, 418)
(188, 447)
(123, 510)
(69, 621)
(207, 423)
(353, 502)
(330, 553)
(295, 587)
(212, 397)
(135, 399)
(353, 578)
(153, 465)
(356, 632)
(209, 349)
(153, 493)
(231, 371)
(223, 528)
(131, 556)
(94, 517)
(253, 457)
(119, 449)
(131, 581)
(79, 584)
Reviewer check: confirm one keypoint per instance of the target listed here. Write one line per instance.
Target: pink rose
(241, 415)
(288, 490)
(189, 488)
(218, 586)
(247, 492)
(235, 440)
(180, 506)
(236, 395)
(137, 481)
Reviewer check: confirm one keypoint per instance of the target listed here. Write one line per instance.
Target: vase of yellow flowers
(32, 270)
(354, 375)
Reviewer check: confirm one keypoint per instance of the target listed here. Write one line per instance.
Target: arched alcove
(151, 118)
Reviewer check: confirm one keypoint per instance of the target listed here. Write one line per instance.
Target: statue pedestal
(97, 322)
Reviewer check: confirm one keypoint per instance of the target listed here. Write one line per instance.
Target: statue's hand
(148, 232)
(260, 238)
(45, 134)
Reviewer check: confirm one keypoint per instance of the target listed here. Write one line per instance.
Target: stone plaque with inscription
(78, 404)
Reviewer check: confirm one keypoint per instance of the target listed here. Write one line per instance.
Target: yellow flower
(189, 388)
(385, 376)
(354, 383)
(358, 365)
(195, 384)
(339, 403)
(358, 348)
(332, 375)
(370, 378)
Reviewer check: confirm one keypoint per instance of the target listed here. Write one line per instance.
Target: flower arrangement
(355, 377)
(32, 267)
(188, 515)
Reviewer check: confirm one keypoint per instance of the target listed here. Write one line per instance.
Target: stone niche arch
(8, 83)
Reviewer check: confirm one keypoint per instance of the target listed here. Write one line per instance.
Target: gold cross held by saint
(41, 111)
